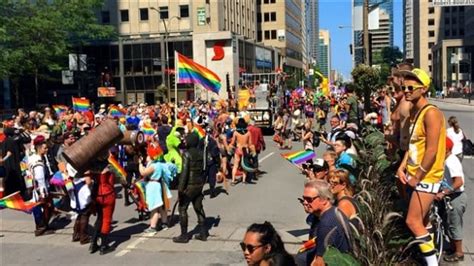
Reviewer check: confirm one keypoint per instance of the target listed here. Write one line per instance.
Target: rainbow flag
(16, 202)
(190, 72)
(308, 245)
(148, 130)
(60, 109)
(80, 104)
(117, 169)
(116, 111)
(299, 156)
(140, 189)
(57, 179)
(200, 131)
(68, 184)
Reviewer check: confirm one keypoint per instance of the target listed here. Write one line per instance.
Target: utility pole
(365, 18)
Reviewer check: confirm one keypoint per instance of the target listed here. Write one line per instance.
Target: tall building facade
(324, 60)
(280, 24)
(220, 35)
(408, 41)
(312, 30)
(379, 38)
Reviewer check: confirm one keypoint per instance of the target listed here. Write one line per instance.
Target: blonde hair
(341, 176)
(330, 153)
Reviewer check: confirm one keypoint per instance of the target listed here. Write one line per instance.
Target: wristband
(423, 169)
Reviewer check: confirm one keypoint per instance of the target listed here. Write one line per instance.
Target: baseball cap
(39, 140)
(320, 165)
(418, 74)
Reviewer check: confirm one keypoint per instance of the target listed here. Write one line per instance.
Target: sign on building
(67, 77)
(201, 16)
(452, 3)
(73, 63)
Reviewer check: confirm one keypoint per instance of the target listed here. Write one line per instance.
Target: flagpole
(176, 80)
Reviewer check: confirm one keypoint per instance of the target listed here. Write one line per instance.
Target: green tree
(366, 81)
(37, 36)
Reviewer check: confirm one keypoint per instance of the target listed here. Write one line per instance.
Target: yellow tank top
(417, 147)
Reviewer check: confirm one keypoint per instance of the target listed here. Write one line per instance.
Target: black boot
(75, 233)
(203, 234)
(126, 197)
(104, 245)
(93, 247)
(183, 238)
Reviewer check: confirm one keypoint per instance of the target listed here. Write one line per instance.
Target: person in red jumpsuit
(104, 198)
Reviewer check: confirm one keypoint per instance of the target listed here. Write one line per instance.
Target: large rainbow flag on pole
(190, 72)
(299, 157)
(16, 202)
(80, 104)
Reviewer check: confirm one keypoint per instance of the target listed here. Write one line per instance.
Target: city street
(273, 198)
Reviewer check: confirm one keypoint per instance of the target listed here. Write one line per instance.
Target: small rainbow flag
(16, 202)
(140, 189)
(68, 184)
(60, 109)
(191, 72)
(57, 179)
(200, 131)
(299, 156)
(308, 245)
(80, 104)
(148, 130)
(116, 111)
(117, 169)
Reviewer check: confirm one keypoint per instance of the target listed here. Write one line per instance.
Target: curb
(459, 103)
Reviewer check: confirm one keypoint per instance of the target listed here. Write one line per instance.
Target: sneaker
(162, 227)
(150, 230)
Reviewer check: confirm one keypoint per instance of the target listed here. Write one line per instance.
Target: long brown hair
(453, 122)
(342, 177)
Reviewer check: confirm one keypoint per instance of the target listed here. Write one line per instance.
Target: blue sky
(333, 13)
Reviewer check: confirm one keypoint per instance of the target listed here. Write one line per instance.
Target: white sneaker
(72, 215)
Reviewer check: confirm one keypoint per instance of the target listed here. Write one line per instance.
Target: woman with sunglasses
(423, 165)
(263, 246)
(342, 190)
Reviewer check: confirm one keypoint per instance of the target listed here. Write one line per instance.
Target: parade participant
(157, 193)
(240, 140)
(104, 198)
(13, 145)
(173, 143)
(329, 230)
(262, 244)
(424, 161)
(163, 132)
(191, 182)
(39, 171)
(211, 160)
(257, 140)
(454, 177)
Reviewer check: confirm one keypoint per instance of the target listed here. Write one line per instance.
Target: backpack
(316, 141)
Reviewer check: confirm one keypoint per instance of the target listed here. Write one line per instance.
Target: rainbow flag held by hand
(117, 169)
(60, 109)
(116, 111)
(200, 131)
(308, 245)
(190, 72)
(299, 157)
(68, 184)
(140, 189)
(16, 202)
(57, 179)
(80, 104)
(148, 130)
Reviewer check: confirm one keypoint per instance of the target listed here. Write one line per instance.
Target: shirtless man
(240, 140)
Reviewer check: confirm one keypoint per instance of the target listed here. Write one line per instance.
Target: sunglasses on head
(411, 88)
(249, 248)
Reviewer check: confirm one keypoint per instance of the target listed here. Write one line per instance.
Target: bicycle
(436, 221)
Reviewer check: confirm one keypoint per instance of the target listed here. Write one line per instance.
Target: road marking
(266, 156)
(134, 244)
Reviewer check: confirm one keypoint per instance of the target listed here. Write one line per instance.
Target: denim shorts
(455, 217)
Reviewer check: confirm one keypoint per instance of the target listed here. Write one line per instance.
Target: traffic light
(350, 48)
(172, 80)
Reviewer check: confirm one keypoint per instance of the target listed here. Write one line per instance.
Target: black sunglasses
(249, 247)
(309, 200)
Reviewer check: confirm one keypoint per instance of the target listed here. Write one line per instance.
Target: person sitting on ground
(344, 159)
(331, 229)
(262, 245)
(454, 177)
(343, 191)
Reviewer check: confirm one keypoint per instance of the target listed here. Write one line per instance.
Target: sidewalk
(461, 101)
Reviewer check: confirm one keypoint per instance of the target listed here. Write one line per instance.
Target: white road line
(265, 157)
(134, 244)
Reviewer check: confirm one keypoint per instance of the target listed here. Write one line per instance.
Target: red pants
(105, 210)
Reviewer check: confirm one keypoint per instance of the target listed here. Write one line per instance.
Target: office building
(324, 60)
(312, 30)
(408, 41)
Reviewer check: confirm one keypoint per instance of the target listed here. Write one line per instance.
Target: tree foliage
(366, 80)
(386, 58)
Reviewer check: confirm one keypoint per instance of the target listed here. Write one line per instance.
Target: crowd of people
(198, 143)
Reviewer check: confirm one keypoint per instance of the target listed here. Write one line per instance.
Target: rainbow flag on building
(190, 72)
(200, 131)
(116, 111)
(60, 109)
(80, 104)
(148, 129)
(117, 169)
(299, 157)
(15, 202)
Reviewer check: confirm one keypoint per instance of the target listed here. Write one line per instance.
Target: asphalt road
(272, 198)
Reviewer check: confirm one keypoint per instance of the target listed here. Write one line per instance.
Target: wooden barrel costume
(133, 137)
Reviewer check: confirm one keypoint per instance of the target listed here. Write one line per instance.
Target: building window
(447, 20)
(274, 34)
(273, 16)
(431, 22)
(164, 12)
(259, 17)
(272, 1)
(259, 2)
(124, 15)
(455, 32)
(266, 1)
(461, 9)
(446, 33)
(184, 11)
(461, 32)
(143, 13)
(259, 36)
(431, 10)
(429, 57)
(267, 35)
(430, 68)
(454, 20)
(266, 17)
(447, 10)
(105, 17)
(430, 44)
(431, 33)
